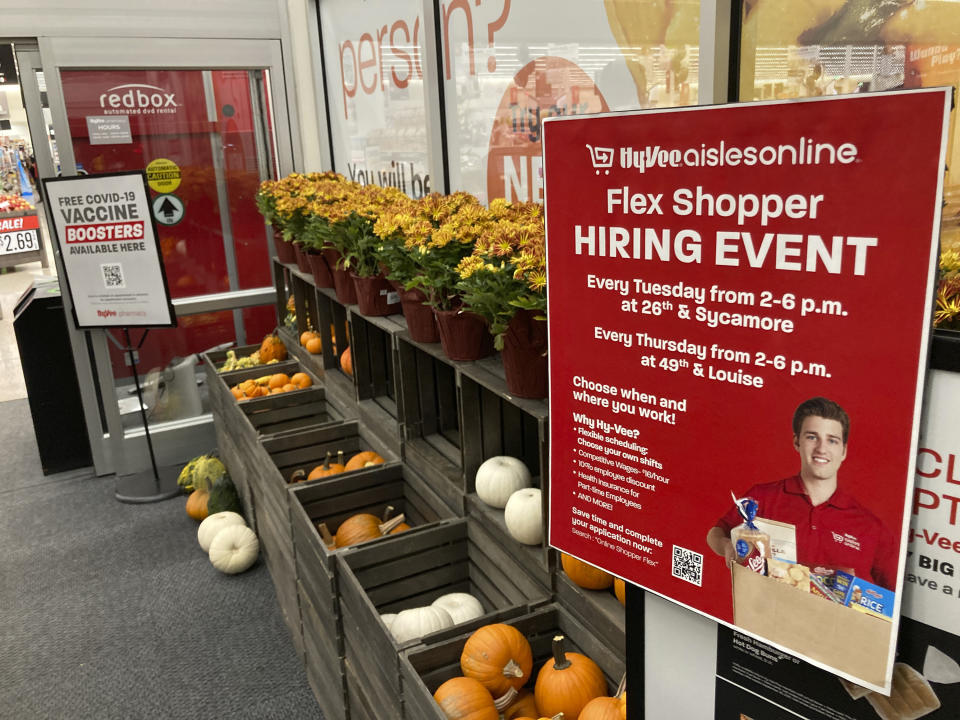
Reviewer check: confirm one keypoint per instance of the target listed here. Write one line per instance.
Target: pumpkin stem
(621, 686)
(297, 476)
(511, 669)
(325, 534)
(339, 457)
(387, 513)
(504, 701)
(391, 524)
(326, 462)
(560, 661)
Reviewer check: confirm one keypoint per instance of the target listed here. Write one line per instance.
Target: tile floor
(13, 282)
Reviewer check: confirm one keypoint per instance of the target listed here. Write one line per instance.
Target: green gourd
(224, 496)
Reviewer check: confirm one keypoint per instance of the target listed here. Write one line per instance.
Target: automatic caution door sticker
(163, 176)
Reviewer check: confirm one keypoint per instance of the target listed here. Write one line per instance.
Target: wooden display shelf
(430, 418)
(412, 572)
(375, 371)
(598, 610)
(427, 667)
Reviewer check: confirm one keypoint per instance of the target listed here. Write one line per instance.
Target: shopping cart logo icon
(602, 158)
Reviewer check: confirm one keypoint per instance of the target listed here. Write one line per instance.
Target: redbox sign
(739, 303)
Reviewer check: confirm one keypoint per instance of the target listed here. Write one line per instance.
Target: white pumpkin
(414, 623)
(461, 606)
(234, 549)
(499, 477)
(387, 619)
(524, 516)
(213, 524)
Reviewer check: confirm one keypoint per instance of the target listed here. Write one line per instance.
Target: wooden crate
(427, 667)
(218, 357)
(323, 659)
(238, 464)
(279, 456)
(291, 411)
(411, 572)
(332, 501)
(283, 282)
(599, 610)
(329, 319)
(359, 706)
(430, 418)
(375, 371)
(497, 423)
(273, 460)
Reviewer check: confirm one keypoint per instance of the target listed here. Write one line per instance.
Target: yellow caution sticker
(163, 176)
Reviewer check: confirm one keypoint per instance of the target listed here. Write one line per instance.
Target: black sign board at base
(815, 694)
(735, 703)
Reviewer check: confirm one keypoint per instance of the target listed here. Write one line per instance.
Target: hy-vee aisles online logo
(797, 151)
(138, 99)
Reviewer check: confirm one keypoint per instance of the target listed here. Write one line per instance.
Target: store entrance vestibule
(207, 121)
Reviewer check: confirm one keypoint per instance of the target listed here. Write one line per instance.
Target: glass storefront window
(377, 106)
(506, 66)
(793, 49)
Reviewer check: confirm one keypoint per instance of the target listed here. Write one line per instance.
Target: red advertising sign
(744, 298)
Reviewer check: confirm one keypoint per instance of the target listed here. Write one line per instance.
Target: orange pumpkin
(346, 362)
(463, 698)
(367, 458)
(357, 529)
(620, 590)
(306, 336)
(289, 387)
(601, 708)
(328, 468)
(314, 346)
(197, 504)
(523, 706)
(400, 528)
(499, 656)
(278, 381)
(301, 380)
(568, 682)
(364, 526)
(272, 348)
(585, 575)
(237, 392)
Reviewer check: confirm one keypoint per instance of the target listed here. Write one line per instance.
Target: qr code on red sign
(113, 276)
(687, 565)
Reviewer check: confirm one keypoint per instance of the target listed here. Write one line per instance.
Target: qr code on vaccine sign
(687, 565)
(113, 275)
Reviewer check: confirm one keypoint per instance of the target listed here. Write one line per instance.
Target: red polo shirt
(838, 533)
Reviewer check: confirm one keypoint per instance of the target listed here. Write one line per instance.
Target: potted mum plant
(458, 221)
(359, 246)
(947, 313)
(400, 225)
(267, 196)
(330, 188)
(504, 281)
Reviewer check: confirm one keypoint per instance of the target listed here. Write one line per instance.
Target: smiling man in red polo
(833, 529)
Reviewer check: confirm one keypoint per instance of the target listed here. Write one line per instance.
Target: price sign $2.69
(19, 241)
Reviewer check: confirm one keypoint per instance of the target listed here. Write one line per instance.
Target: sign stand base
(146, 486)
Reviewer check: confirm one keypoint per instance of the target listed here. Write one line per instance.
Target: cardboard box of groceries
(828, 632)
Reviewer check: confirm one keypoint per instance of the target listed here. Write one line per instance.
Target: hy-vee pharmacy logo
(138, 99)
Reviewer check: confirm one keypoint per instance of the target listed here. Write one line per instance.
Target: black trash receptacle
(51, 378)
